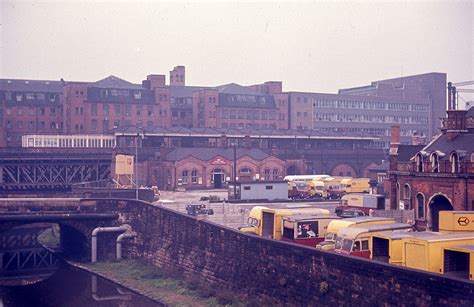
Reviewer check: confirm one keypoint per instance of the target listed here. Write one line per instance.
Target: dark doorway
(437, 204)
(217, 181)
(292, 170)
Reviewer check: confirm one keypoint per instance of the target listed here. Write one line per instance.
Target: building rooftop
(463, 144)
(232, 132)
(115, 83)
(207, 153)
(20, 85)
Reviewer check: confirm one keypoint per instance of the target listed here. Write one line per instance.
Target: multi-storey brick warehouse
(97, 107)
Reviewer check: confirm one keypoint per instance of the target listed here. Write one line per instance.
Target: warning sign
(463, 221)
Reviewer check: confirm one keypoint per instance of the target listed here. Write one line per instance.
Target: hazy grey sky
(310, 46)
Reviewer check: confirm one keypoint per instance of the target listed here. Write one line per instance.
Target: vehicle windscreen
(301, 187)
(346, 245)
(338, 243)
(330, 236)
(252, 222)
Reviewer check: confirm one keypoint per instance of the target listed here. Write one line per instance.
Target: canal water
(69, 286)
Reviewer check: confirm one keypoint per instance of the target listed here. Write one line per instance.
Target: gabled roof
(379, 168)
(406, 152)
(115, 82)
(463, 142)
(185, 91)
(17, 85)
(234, 88)
(207, 153)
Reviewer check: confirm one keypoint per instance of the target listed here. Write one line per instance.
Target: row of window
(68, 141)
(248, 125)
(434, 163)
(364, 118)
(247, 114)
(243, 172)
(33, 125)
(32, 111)
(369, 105)
(42, 97)
(120, 109)
(120, 93)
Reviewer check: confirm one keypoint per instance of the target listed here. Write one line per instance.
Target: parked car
(352, 213)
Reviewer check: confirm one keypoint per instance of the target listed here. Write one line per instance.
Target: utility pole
(234, 147)
(136, 166)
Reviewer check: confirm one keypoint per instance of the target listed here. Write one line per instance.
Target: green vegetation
(168, 286)
(50, 237)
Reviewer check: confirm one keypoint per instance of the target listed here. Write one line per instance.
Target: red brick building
(198, 168)
(109, 103)
(236, 106)
(438, 177)
(28, 106)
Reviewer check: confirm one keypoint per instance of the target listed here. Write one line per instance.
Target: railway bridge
(77, 218)
(34, 170)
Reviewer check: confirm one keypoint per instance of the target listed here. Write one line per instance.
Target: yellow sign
(124, 165)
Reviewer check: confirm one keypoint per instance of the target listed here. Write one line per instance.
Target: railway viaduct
(225, 258)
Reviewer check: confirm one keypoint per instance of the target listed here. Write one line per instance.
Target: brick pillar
(224, 141)
(247, 142)
(274, 150)
(394, 143)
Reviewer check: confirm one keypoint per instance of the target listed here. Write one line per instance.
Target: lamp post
(234, 147)
(136, 166)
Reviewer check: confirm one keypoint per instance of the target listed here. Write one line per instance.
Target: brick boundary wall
(292, 274)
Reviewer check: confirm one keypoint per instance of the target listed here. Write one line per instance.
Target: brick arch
(365, 172)
(74, 242)
(345, 169)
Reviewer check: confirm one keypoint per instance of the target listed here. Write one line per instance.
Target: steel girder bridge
(51, 171)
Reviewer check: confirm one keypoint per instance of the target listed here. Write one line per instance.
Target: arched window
(184, 176)
(434, 163)
(406, 191)
(267, 174)
(275, 174)
(245, 170)
(454, 163)
(420, 206)
(419, 162)
(194, 175)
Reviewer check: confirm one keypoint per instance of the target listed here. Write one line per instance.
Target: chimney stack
(450, 106)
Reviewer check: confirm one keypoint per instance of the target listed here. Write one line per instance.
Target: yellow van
(355, 185)
(271, 223)
(335, 226)
(387, 246)
(355, 240)
(458, 261)
(456, 221)
(426, 253)
(266, 222)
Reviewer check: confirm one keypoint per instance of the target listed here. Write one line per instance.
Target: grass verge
(165, 286)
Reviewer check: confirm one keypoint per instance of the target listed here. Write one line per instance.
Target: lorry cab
(317, 189)
(335, 226)
(355, 240)
(254, 221)
(307, 230)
